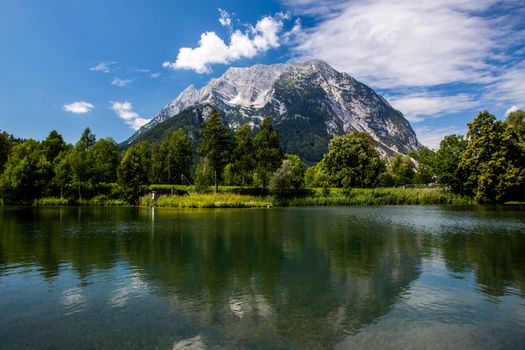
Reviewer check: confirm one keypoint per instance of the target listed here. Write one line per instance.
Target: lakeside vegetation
(248, 168)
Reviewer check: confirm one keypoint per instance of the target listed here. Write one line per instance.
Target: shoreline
(314, 198)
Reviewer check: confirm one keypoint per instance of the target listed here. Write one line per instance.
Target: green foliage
(402, 170)
(26, 173)
(240, 170)
(204, 176)
(53, 145)
(446, 162)
(298, 168)
(516, 121)
(315, 176)
(172, 159)
(133, 172)
(86, 141)
(493, 163)
(425, 172)
(189, 120)
(105, 161)
(284, 179)
(353, 161)
(216, 144)
(268, 153)
(5, 147)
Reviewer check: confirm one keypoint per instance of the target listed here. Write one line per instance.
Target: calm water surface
(304, 278)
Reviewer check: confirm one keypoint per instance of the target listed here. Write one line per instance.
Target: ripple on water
(73, 300)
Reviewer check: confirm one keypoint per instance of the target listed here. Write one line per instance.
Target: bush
(283, 180)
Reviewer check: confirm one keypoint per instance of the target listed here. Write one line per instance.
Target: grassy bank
(335, 197)
(380, 196)
(230, 198)
(99, 201)
(219, 200)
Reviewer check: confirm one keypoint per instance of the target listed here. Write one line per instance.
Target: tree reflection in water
(280, 277)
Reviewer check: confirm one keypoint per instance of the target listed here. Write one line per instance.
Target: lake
(409, 277)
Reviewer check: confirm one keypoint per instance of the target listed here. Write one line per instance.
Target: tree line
(489, 164)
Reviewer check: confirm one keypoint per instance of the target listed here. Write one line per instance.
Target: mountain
(309, 103)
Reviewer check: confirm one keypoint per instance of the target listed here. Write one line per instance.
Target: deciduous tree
(268, 153)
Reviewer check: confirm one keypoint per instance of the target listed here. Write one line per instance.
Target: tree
(81, 162)
(284, 179)
(298, 168)
(86, 141)
(215, 145)
(447, 159)
(493, 163)
(268, 153)
(402, 169)
(26, 173)
(353, 161)
(315, 176)
(105, 161)
(240, 170)
(53, 145)
(133, 172)
(425, 171)
(171, 160)
(204, 176)
(516, 120)
(5, 147)
(62, 173)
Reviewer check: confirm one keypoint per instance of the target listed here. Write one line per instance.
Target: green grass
(226, 198)
(219, 200)
(390, 196)
(380, 196)
(51, 201)
(101, 200)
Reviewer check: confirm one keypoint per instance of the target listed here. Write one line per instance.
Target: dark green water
(304, 278)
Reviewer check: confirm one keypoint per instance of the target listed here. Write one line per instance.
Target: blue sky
(112, 65)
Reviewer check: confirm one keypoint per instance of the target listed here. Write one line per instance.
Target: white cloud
(510, 110)
(432, 136)
(405, 43)
(120, 82)
(213, 50)
(417, 106)
(124, 110)
(225, 20)
(509, 87)
(154, 75)
(80, 107)
(104, 67)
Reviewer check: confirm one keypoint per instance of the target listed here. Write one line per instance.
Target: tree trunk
(216, 184)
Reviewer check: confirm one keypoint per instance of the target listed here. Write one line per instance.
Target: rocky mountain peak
(309, 101)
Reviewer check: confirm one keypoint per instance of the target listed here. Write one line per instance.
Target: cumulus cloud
(417, 106)
(120, 82)
(124, 111)
(104, 67)
(214, 50)
(432, 136)
(405, 43)
(80, 107)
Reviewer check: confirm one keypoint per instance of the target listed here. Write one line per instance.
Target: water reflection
(301, 278)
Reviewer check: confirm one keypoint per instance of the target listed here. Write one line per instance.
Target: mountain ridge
(309, 103)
